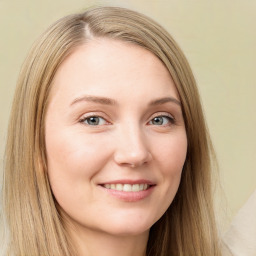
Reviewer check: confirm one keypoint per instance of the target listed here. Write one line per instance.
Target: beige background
(219, 39)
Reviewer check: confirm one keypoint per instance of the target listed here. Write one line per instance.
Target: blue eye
(161, 120)
(93, 120)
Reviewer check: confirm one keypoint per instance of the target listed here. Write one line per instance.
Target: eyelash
(84, 119)
(170, 118)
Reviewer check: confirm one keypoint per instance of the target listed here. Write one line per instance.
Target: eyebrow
(164, 100)
(108, 101)
(95, 99)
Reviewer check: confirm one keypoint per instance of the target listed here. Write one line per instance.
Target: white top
(240, 239)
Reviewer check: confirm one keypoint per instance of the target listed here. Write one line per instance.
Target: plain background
(219, 39)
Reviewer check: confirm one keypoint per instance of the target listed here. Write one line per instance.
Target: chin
(127, 231)
(128, 228)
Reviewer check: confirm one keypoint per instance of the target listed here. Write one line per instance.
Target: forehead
(106, 66)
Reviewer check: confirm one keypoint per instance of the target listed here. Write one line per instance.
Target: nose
(132, 149)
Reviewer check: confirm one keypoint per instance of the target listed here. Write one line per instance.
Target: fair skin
(116, 144)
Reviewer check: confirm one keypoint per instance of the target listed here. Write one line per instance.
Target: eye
(162, 120)
(93, 120)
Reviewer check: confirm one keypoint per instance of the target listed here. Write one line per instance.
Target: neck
(93, 243)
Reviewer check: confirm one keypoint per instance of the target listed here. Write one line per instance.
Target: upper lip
(128, 181)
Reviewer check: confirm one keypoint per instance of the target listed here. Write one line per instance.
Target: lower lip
(129, 196)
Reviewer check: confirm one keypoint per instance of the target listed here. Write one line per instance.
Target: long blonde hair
(34, 223)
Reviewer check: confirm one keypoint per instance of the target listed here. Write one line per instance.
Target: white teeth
(135, 187)
(107, 186)
(119, 187)
(127, 187)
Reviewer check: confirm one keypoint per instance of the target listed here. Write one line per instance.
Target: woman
(108, 151)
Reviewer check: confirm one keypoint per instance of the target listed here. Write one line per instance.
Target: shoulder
(240, 239)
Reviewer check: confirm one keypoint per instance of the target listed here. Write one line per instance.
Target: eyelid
(163, 114)
(93, 114)
(102, 115)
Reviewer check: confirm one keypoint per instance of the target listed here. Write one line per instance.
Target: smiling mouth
(127, 187)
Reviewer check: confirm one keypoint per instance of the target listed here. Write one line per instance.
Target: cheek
(73, 159)
(74, 152)
(172, 153)
(171, 159)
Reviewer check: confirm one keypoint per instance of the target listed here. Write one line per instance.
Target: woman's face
(115, 138)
